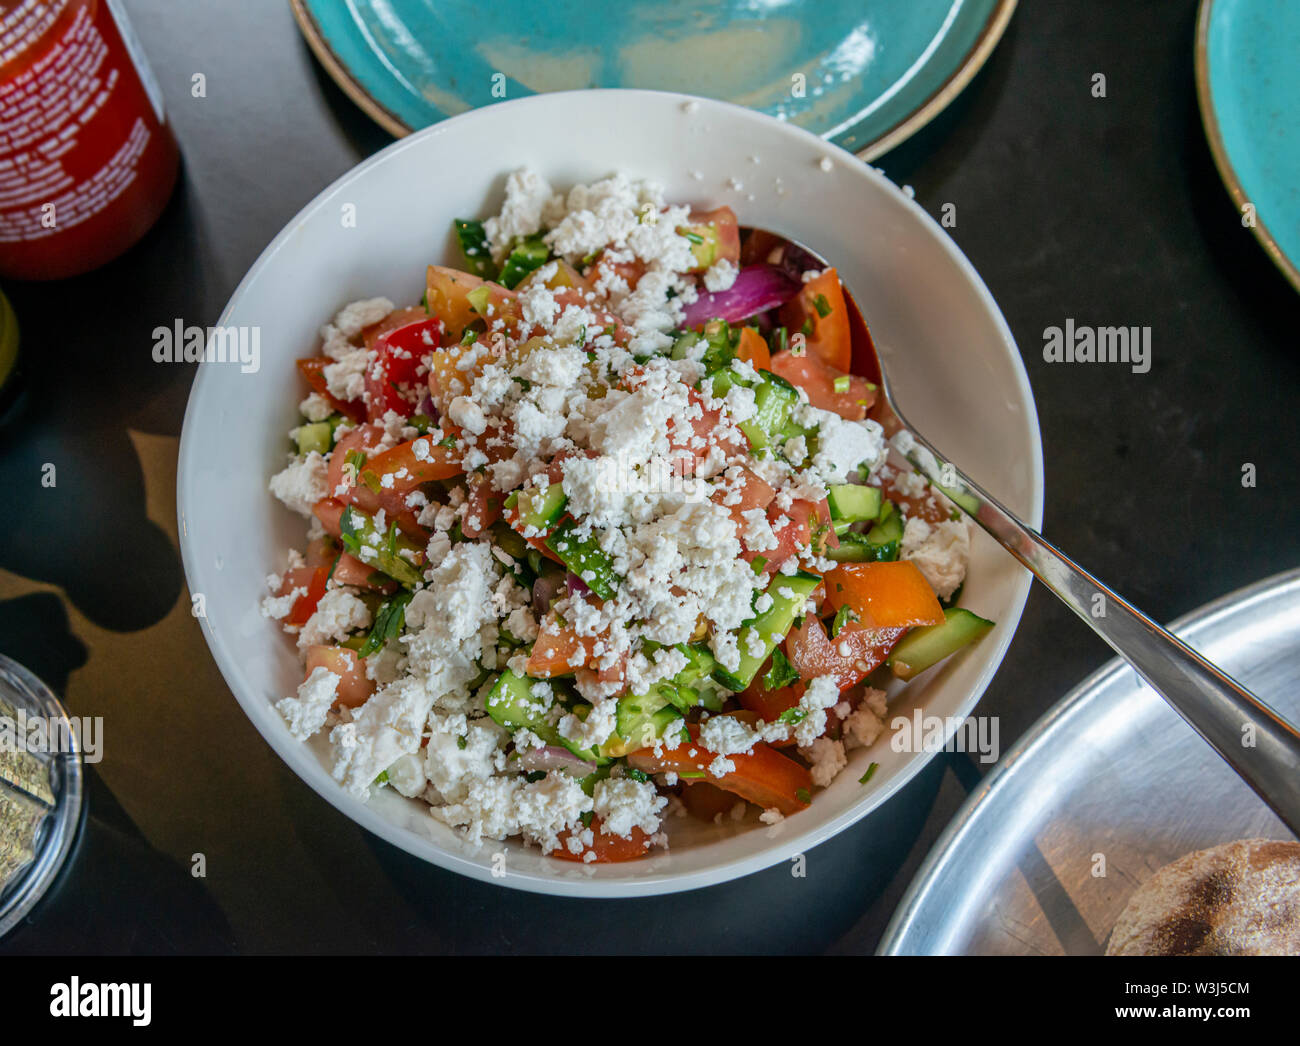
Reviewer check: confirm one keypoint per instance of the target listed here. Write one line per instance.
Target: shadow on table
(765, 913)
(105, 912)
(95, 901)
(90, 376)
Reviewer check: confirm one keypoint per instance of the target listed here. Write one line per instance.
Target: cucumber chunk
(473, 241)
(887, 535)
(926, 646)
(774, 399)
(526, 256)
(720, 339)
(584, 557)
(315, 435)
(704, 242)
(511, 704)
(640, 720)
(853, 501)
(770, 626)
(380, 549)
(539, 508)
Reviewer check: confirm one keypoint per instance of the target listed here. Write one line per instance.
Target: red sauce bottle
(87, 160)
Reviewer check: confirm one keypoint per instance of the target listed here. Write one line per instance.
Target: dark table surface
(1104, 210)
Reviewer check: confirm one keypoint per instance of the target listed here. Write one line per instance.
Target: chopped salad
(601, 530)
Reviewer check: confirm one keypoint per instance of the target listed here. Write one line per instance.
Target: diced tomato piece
(483, 505)
(351, 571)
(819, 306)
(354, 688)
(310, 578)
(884, 595)
(559, 650)
(447, 295)
(417, 461)
(747, 492)
(849, 657)
(395, 319)
(603, 674)
(363, 438)
(726, 228)
(926, 505)
(814, 521)
(393, 382)
(706, 432)
(797, 527)
(561, 276)
(322, 552)
(452, 371)
(607, 847)
(818, 380)
(392, 499)
(766, 704)
(706, 801)
(606, 322)
(753, 349)
(392, 504)
(313, 371)
(604, 269)
(763, 776)
(330, 513)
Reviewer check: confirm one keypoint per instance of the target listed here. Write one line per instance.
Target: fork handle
(1260, 745)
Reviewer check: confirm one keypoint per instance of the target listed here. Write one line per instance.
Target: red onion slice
(757, 289)
(553, 758)
(545, 589)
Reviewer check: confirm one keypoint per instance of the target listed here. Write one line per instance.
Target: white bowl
(958, 375)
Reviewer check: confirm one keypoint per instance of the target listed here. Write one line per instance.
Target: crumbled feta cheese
(338, 614)
(306, 713)
(623, 804)
(827, 759)
(528, 196)
(940, 551)
(315, 407)
(301, 484)
(865, 723)
(720, 275)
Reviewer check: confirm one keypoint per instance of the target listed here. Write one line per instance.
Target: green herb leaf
(822, 306)
(348, 532)
(474, 245)
(843, 616)
(868, 775)
(390, 620)
(782, 673)
(803, 795)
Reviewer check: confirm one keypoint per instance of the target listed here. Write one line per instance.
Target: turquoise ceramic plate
(1248, 83)
(863, 73)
